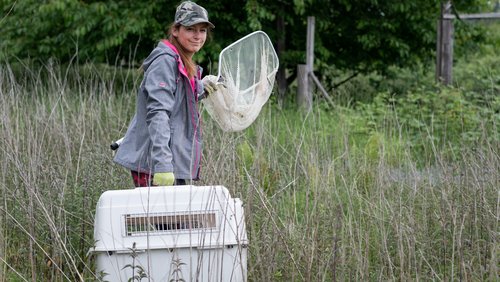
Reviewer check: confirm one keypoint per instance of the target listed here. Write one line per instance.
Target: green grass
(402, 188)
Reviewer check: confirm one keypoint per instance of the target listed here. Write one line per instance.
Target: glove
(163, 179)
(209, 84)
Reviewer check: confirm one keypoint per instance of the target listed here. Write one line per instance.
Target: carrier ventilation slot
(139, 224)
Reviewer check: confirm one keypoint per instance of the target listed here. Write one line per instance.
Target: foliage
(99, 31)
(449, 117)
(474, 69)
(445, 120)
(477, 70)
(362, 35)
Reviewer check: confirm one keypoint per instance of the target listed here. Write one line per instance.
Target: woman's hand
(209, 84)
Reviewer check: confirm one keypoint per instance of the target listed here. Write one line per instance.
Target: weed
(402, 188)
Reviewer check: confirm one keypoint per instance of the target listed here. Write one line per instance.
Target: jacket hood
(160, 49)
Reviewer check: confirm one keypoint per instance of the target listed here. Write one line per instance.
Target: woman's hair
(186, 60)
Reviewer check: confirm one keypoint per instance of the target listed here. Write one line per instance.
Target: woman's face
(192, 37)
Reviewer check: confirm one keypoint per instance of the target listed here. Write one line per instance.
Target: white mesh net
(247, 70)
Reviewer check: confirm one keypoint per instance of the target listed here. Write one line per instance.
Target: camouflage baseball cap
(189, 13)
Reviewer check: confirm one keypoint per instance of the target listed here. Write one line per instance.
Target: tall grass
(329, 196)
(56, 125)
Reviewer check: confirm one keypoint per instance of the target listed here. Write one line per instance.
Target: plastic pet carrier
(181, 233)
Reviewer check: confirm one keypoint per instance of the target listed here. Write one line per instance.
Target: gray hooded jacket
(165, 133)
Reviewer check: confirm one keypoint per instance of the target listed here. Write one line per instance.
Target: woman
(162, 145)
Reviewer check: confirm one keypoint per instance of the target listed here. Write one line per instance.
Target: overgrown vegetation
(360, 35)
(401, 187)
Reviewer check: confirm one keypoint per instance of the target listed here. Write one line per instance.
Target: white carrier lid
(168, 217)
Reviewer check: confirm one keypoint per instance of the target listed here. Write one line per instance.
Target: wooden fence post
(304, 87)
(280, 48)
(304, 95)
(444, 42)
(306, 79)
(444, 48)
(310, 44)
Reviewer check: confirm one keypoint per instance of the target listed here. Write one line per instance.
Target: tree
(361, 35)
